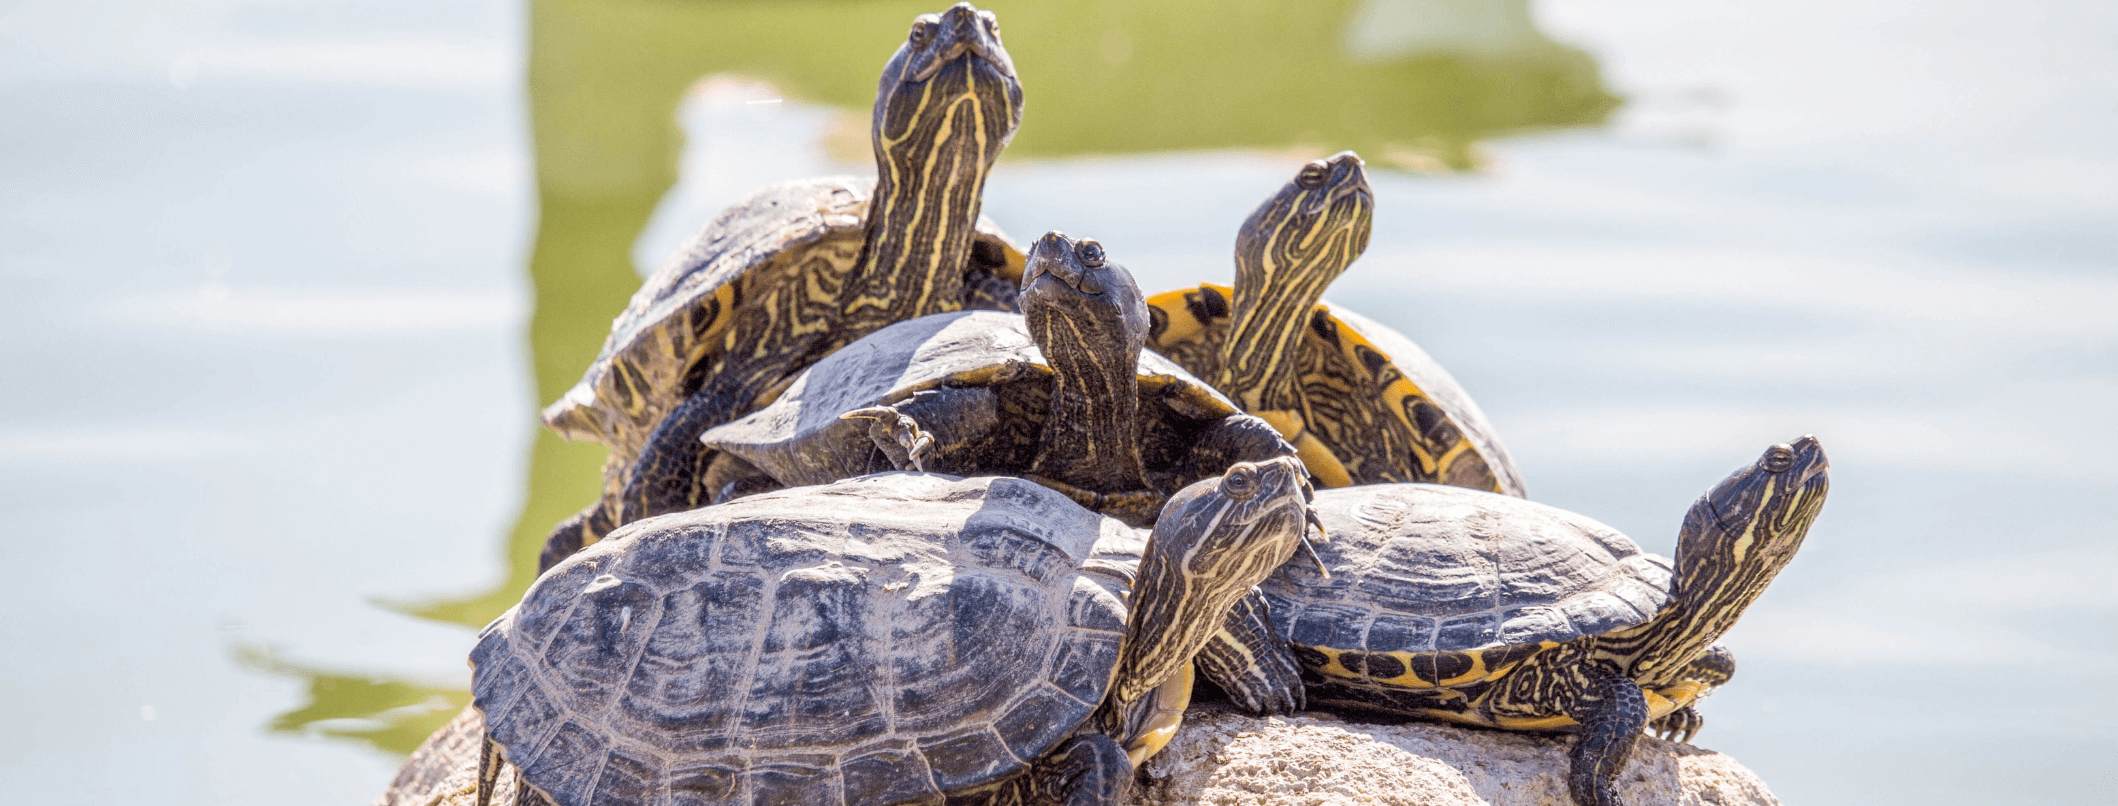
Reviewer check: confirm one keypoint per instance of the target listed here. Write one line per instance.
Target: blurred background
(283, 284)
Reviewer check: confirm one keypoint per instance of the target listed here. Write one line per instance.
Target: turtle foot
(897, 434)
(1679, 725)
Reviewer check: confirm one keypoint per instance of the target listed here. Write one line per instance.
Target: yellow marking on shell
(1180, 325)
(1315, 455)
(1480, 669)
(773, 392)
(1533, 723)
(1170, 700)
(724, 308)
(1395, 393)
(1014, 261)
(1333, 668)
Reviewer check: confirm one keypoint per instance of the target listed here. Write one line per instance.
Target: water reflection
(1409, 83)
(391, 715)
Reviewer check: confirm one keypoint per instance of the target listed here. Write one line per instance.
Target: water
(270, 391)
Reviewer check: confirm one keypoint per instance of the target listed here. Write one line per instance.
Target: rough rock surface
(1221, 758)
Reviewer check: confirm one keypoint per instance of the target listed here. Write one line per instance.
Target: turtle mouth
(1049, 263)
(1351, 179)
(1809, 454)
(1356, 192)
(962, 33)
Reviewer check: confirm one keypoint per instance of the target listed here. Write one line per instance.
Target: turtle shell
(762, 251)
(799, 438)
(1371, 391)
(1434, 586)
(885, 639)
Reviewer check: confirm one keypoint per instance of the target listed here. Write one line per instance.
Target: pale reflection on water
(265, 298)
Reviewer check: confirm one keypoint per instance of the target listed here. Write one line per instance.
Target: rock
(1221, 758)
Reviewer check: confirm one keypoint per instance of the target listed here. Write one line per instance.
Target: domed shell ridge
(1432, 568)
(890, 637)
(686, 299)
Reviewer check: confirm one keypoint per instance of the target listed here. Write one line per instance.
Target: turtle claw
(897, 435)
(1310, 549)
(1679, 725)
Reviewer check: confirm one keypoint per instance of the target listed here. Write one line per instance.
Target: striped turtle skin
(895, 638)
(799, 269)
(1484, 609)
(1061, 394)
(1362, 402)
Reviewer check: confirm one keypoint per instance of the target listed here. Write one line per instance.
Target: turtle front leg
(940, 430)
(897, 434)
(1248, 659)
(575, 533)
(1612, 717)
(1090, 769)
(666, 477)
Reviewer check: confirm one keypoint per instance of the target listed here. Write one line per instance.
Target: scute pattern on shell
(800, 439)
(896, 636)
(1351, 370)
(757, 252)
(1434, 568)
(675, 317)
(1423, 371)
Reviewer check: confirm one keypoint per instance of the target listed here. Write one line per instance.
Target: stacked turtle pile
(897, 513)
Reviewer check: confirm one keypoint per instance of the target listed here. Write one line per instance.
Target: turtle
(1489, 610)
(1362, 402)
(799, 269)
(899, 637)
(1061, 394)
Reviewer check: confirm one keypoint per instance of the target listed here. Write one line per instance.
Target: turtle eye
(992, 23)
(1090, 253)
(922, 31)
(1240, 484)
(1313, 175)
(1779, 459)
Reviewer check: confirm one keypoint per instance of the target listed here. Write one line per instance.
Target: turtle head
(948, 102)
(1216, 539)
(1757, 516)
(1287, 252)
(1736, 538)
(950, 83)
(938, 39)
(1085, 312)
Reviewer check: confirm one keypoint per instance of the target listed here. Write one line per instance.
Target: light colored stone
(1221, 758)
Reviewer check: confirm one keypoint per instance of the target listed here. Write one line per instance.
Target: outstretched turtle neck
(1091, 432)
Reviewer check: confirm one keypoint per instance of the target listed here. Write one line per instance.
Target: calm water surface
(268, 451)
